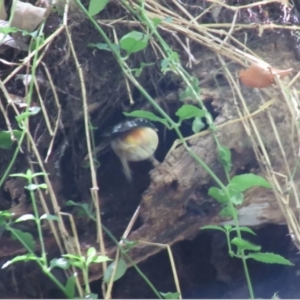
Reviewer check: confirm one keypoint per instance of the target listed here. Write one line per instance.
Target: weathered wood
(176, 203)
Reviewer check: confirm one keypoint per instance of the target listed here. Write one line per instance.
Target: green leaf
(43, 186)
(129, 244)
(49, 217)
(197, 125)
(245, 229)
(37, 40)
(25, 218)
(24, 258)
(70, 286)
(83, 209)
(27, 114)
(100, 259)
(33, 110)
(170, 295)
(77, 264)
(156, 21)
(243, 182)
(73, 256)
(106, 47)
(119, 272)
(4, 217)
(29, 173)
(134, 41)
(227, 212)
(32, 187)
(190, 91)
(218, 195)
(166, 63)
(244, 244)
(227, 228)
(270, 258)
(7, 30)
(225, 158)
(96, 6)
(72, 203)
(61, 263)
(236, 198)
(6, 213)
(213, 227)
(146, 115)
(86, 164)
(25, 237)
(91, 253)
(188, 111)
(5, 138)
(138, 71)
(37, 174)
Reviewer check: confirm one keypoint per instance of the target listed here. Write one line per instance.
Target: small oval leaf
(70, 286)
(227, 211)
(188, 111)
(197, 125)
(49, 217)
(96, 6)
(134, 41)
(25, 218)
(100, 259)
(25, 237)
(245, 181)
(60, 263)
(91, 252)
(218, 194)
(225, 157)
(6, 141)
(119, 272)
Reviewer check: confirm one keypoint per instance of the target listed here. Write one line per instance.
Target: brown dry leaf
(259, 76)
(26, 17)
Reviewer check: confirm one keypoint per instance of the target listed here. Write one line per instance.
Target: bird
(134, 140)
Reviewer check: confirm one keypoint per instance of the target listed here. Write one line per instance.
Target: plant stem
(176, 67)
